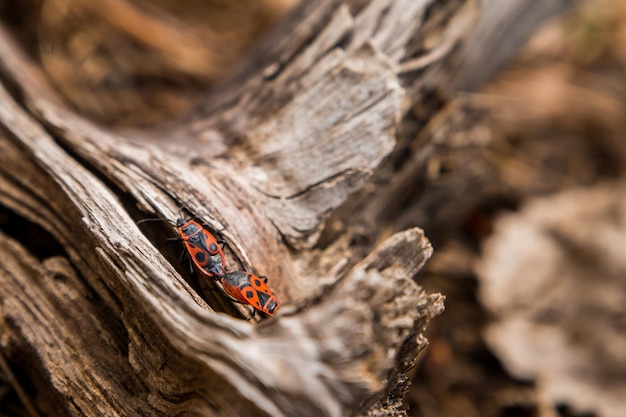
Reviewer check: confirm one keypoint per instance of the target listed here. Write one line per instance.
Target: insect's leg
(215, 290)
(252, 315)
(174, 239)
(182, 256)
(263, 277)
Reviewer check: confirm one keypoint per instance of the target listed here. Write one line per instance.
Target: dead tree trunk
(287, 162)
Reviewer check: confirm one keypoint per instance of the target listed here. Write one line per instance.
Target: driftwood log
(288, 162)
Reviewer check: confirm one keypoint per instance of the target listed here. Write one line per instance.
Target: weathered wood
(277, 160)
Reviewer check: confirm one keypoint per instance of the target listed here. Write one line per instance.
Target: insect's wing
(248, 288)
(269, 303)
(237, 285)
(198, 254)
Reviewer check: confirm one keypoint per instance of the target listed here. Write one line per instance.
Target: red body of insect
(203, 248)
(250, 289)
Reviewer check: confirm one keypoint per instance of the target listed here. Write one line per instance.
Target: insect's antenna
(183, 205)
(156, 220)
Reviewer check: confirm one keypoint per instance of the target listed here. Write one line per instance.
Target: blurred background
(535, 274)
(139, 62)
(531, 253)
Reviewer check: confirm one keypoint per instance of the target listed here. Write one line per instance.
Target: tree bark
(286, 161)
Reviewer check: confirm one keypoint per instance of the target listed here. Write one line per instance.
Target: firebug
(251, 289)
(203, 248)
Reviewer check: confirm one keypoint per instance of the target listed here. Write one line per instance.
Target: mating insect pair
(207, 254)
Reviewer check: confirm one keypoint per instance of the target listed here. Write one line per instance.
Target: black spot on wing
(212, 248)
(201, 257)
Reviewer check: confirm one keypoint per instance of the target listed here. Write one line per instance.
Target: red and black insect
(207, 254)
(203, 248)
(248, 288)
